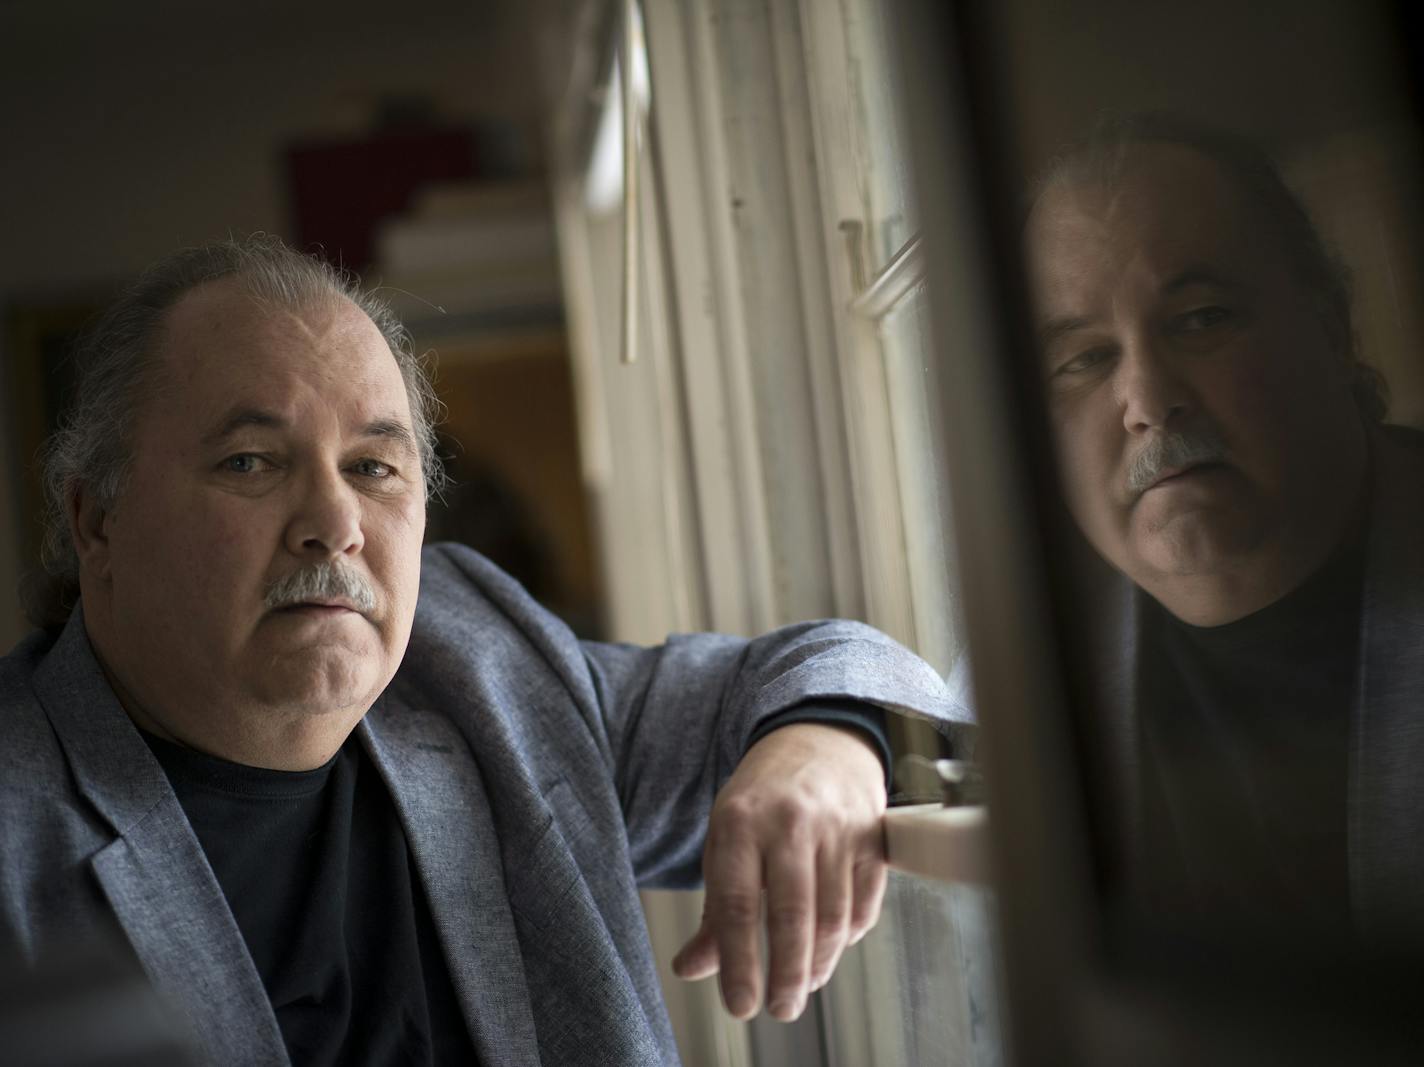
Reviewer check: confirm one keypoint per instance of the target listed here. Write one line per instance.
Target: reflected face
(1205, 428)
(272, 441)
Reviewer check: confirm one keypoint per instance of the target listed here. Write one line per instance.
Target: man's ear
(89, 530)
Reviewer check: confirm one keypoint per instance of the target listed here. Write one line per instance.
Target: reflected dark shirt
(1245, 742)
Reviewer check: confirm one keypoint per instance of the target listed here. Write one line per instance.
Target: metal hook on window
(961, 782)
(853, 230)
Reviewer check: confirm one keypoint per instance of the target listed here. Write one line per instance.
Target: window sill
(945, 844)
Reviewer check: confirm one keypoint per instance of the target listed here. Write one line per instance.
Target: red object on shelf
(342, 190)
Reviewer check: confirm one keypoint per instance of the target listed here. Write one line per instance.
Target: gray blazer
(540, 780)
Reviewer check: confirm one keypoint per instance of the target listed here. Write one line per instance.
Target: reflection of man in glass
(1221, 447)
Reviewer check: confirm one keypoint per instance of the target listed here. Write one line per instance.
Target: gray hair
(1104, 155)
(115, 367)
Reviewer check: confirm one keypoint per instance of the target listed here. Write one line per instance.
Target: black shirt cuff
(869, 719)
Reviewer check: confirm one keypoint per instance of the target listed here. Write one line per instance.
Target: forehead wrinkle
(316, 321)
(1099, 237)
(1076, 260)
(336, 331)
(243, 417)
(313, 354)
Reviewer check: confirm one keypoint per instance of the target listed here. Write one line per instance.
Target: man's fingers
(790, 925)
(797, 823)
(833, 908)
(698, 958)
(732, 869)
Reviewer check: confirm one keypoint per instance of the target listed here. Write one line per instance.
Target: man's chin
(323, 680)
(1190, 533)
(1190, 547)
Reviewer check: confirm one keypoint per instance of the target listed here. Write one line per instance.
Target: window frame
(737, 177)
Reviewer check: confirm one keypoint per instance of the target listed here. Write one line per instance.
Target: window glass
(1222, 263)
(927, 975)
(919, 445)
(859, 92)
(878, 102)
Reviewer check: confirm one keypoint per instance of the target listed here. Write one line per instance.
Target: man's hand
(799, 819)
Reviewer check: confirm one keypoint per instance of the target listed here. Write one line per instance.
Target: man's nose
(326, 518)
(1151, 388)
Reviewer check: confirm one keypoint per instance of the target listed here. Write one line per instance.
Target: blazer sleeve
(680, 716)
(655, 730)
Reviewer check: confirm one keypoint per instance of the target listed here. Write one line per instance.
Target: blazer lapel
(441, 800)
(528, 945)
(168, 903)
(154, 873)
(1386, 805)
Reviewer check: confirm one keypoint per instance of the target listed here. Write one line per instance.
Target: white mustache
(1174, 450)
(322, 581)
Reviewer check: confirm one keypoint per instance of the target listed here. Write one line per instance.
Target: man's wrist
(867, 720)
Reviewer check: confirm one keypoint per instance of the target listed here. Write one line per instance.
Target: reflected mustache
(322, 581)
(1174, 450)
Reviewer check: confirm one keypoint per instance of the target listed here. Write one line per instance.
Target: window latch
(961, 782)
(958, 783)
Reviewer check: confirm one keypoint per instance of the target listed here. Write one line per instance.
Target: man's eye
(1201, 319)
(1083, 362)
(373, 468)
(243, 463)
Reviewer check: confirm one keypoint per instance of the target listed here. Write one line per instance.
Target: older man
(348, 802)
(1221, 448)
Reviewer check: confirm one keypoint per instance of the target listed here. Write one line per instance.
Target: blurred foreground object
(85, 1009)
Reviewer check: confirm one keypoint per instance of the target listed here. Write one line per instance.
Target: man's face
(270, 440)
(1200, 415)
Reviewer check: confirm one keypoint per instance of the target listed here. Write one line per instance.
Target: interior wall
(1278, 70)
(133, 129)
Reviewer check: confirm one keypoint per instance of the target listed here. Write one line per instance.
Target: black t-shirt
(1245, 743)
(315, 867)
